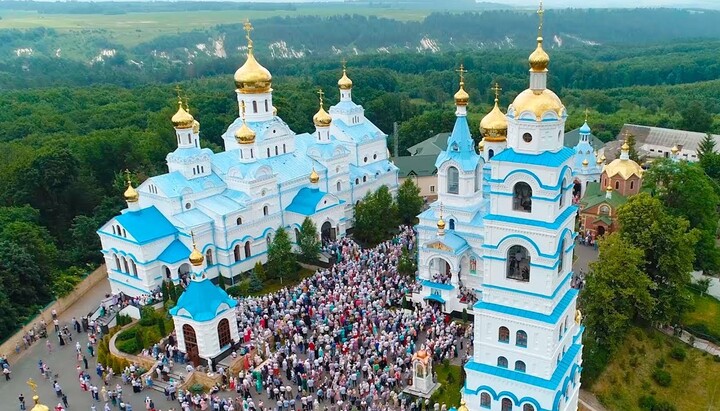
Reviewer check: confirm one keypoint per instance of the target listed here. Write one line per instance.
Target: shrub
(647, 402)
(197, 388)
(678, 353)
(122, 319)
(128, 347)
(662, 377)
(634, 361)
(128, 334)
(717, 358)
(254, 284)
(660, 363)
(663, 405)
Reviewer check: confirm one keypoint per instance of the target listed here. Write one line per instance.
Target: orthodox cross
(248, 28)
(178, 90)
(321, 94)
(587, 112)
(344, 64)
(127, 175)
(496, 88)
(540, 13)
(33, 385)
(462, 72)
(242, 109)
(441, 210)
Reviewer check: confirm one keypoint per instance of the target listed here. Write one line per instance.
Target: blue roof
(306, 201)
(189, 152)
(146, 225)
(175, 184)
(191, 218)
(358, 133)
(175, 252)
(202, 301)
(435, 297)
(460, 147)
(439, 286)
(585, 129)
(219, 204)
(546, 158)
(454, 241)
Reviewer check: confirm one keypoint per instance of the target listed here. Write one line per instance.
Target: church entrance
(327, 232)
(440, 271)
(183, 271)
(600, 231)
(191, 346)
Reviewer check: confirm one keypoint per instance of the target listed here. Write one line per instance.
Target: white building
(267, 177)
(505, 237)
(587, 167)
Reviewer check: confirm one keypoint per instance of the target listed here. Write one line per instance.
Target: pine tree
(707, 145)
(259, 271)
(308, 241)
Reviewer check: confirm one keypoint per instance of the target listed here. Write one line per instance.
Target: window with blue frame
(485, 401)
(502, 362)
(521, 338)
(504, 335)
(452, 224)
(506, 404)
(519, 366)
(528, 407)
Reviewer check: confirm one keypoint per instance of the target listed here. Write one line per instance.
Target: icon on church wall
(473, 265)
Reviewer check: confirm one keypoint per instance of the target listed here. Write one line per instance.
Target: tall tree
(308, 241)
(409, 202)
(376, 217)
(282, 263)
(695, 117)
(668, 245)
(617, 291)
(632, 153)
(687, 191)
(706, 146)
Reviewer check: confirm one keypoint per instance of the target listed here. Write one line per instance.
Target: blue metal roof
(306, 201)
(219, 204)
(460, 147)
(358, 133)
(435, 297)
(454, 241)
(585, 129)
(546, 158)
(174, 184)
(439, 286)
(191, 218)
(146, 225)
(189, 152)
(175, 252)
(202, 301)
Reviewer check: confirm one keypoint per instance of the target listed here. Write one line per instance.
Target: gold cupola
(314, 176)
(585, 163)
(462, 97)
(182, 119)
(131, 194)
(494, 125)
(539, 59)
(322, 118)
(196, 258)
(481, 145)
(252, 78)
(344, 83)
(244, 134)
(36, 399)
(463, 406)
(441, 222)
(675, 149)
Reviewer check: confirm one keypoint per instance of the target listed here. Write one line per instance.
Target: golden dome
(131, 194)
(602, 158)
(345, 83)
(625, 147)
(314, 176)
(539, 59)
(322, 118)
(608, 188)
(494, 125)
(625, 168)
(462, 407)
(38, 406)
(675, 149)
(441, 224)
(196, 126)
(462, 97)
(196, 257)
(244, 134)
(585, 162)
(481, 145)
(252, 78)
(599, 161)
(274, 111)
(182, 119)
(538, 103)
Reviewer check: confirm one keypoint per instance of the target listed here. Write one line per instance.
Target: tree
(406, 264)
(706, 146)
(632, 153)
(308, 241)
(409, 202)
(617, 291)
(282, 262)
(696, 118)
(687, 191)
(259, 271)
(668, 247)
(376, 217)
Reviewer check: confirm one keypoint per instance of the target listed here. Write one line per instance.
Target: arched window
(247, 249)
(521, 338)
(268, 239)
(239, 221)
(223, 330)
(519, 366)
(117, 262)
(254, 106)
(357, 181)
(632, 184)
(209, 257)
(339, 186)
(502, 362)
(617, 185)
(452, 224)
(364, 179)
(125, 265)
(518, 263)
(266, 110)
(485, 400)
(266, 210)
(133, 266)
(562, 193)
(297, 235)
(491, 154)
(528, 407)
(189, 337)
(561, 257)
(522, 197)
(236, 253)
(268, 151)
(506, 404)
(453, 180)
(604, 210)
(504, 335)
(284, 150)
(113, 227)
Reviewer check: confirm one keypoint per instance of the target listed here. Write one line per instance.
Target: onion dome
(599, 161)
(539, 59)
(322, 118)
(463, 406)
(494, 125)
(345, 83)
(625, 147)
(252, 78)
(585, 129)
(274, 111)
(314, 176)
(608, 188)
(626, 168)
(585, 162)
(675, 149)
(538, 103)
(602, 158)
(481, 145)
(462, 97)
(196, 127)
(244, 134)
(131, 194)
(38, 406)
(196, 257)
(441, 224)
(182, 119)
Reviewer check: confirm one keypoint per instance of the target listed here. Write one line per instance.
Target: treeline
(136, 7)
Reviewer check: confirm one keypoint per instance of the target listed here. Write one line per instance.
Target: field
(629, 376)
(134, 28)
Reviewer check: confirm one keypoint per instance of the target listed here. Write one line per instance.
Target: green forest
(69, 129)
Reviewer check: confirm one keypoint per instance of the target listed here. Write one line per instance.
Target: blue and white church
(499, 243)
(267, 177)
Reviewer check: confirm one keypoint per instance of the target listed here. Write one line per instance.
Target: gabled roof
(146, 225)
(430, 147)
(202, 301)
(666, 137)
(306, 201)
(175, 252)
(421, 166)
(594, 196)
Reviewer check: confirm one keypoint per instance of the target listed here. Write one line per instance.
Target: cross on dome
(321, 94)
(541, 13)
(497, 89)
(248, 28)
(587, 113)
(462, 72)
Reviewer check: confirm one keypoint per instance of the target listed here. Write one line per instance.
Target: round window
(263, 192)
(187, 206)
(527, 137)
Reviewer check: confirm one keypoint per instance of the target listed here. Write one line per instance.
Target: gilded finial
(320, 93)
(496, 88)
(462, 72)
(441, 210)
(314, 176)
(244, 134)
(462, 97)
(178, 91)
(344, 64)
(441, 222)
(587, 113)
(196, 257)
(321, 118)
(33, 385)
(248, 28)
(344, 83)
(541, 13)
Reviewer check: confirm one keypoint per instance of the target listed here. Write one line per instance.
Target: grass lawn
(629, 376)
(274, 285)
(705, 317)
(450, 378)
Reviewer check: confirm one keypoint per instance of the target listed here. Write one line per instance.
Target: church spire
(539, 59)
(461, 97)
(345, 84)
